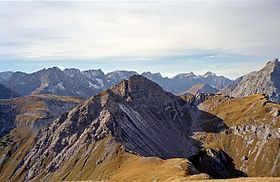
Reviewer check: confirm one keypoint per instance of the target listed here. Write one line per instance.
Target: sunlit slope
(253, 137)
(107, 160)
(21, 118)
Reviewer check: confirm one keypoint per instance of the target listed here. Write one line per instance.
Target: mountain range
(125, 131)
(73, 82)
(135, 130)
(134, 118)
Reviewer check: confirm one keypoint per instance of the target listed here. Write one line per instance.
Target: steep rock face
(6, 93)
(5, 75)
(252, 139)
(218, 82)
(264, 81)
(116, 76)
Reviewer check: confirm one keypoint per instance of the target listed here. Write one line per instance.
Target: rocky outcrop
(264, 81)
(216, 163)
(117, 76)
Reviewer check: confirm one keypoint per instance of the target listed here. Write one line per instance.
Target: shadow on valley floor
(213, 161)
(7, 118)
(216, 163)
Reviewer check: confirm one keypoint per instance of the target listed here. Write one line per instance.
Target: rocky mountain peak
(92, 74)
(185, 75)
(264, 81)
(71, 72)
(140, 115)
(272, 65)
(139, 88)
(55, 68)
(209, 73)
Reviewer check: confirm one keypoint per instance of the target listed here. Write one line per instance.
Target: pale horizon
(229, 38)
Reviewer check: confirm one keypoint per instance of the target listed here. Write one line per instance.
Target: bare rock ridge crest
(266, 80)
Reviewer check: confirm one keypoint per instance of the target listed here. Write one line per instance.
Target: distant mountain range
(137, 131)
(84, 84)
(73, 82)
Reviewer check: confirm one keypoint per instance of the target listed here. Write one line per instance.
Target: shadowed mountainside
(6, 93)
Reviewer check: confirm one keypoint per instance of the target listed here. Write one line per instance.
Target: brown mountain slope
(20, 119)
(34, 111)
(109, 161)
(253, 137)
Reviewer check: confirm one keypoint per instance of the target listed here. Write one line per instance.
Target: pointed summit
(209, 73)
(185, 75)
(140, 89)
(55, 68)
(265, 81)
(272, 64)
(137, 113)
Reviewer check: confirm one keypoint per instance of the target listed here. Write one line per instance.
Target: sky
(230, 38)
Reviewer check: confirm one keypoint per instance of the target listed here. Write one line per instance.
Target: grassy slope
(22, 141)
(262, 152)
(108, 161)
(15, 145)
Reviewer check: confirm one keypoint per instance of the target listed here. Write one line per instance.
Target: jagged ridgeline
(135, 124)
(137, 131)
(73, 82)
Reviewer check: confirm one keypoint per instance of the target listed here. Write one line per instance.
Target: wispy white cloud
(137, 30)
